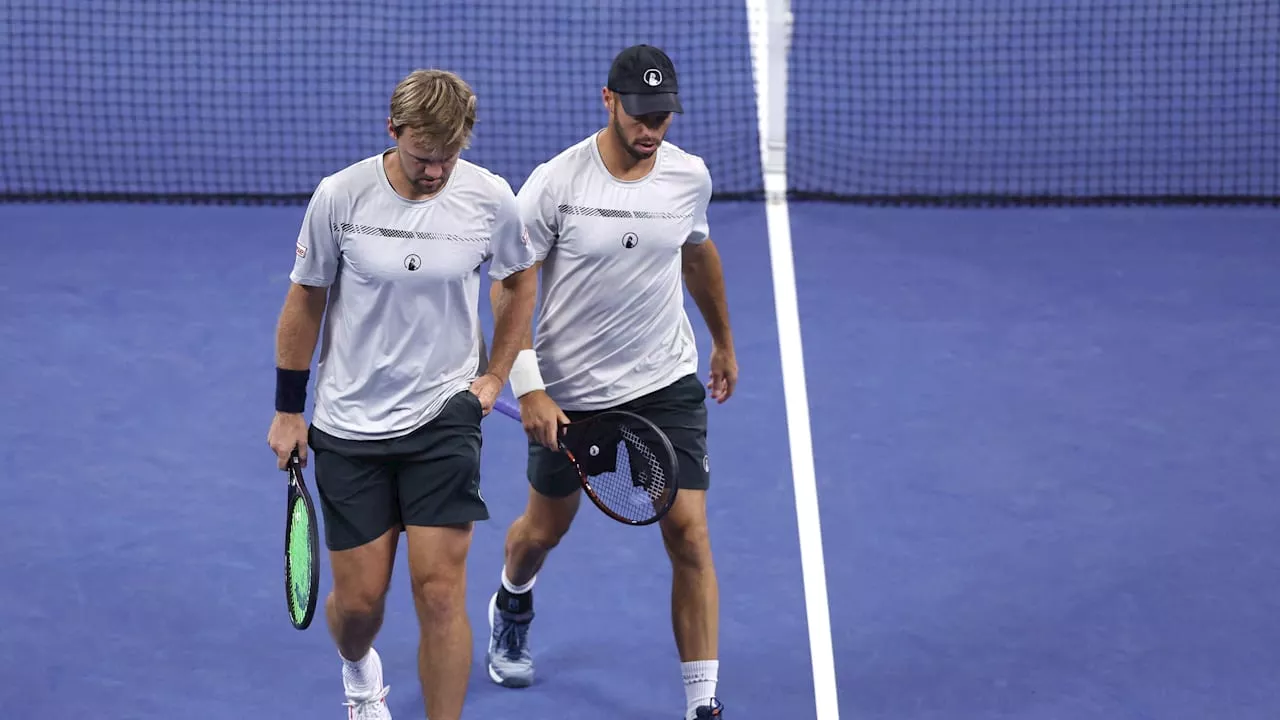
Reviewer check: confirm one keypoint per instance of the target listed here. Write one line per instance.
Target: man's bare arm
(513, 299)
(298, 329)
(539, 414)
(703, 275)
(700, 264)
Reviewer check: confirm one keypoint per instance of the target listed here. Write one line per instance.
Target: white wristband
(525, 376)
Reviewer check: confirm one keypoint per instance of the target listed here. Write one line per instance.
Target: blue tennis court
(146, 519)
(1045, 445)
(1046, 451)
(1035, 272)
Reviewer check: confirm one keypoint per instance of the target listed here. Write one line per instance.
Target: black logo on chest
(412, 262)
(630, 240)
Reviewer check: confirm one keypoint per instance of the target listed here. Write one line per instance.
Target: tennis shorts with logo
(430, 477)
(678, 409)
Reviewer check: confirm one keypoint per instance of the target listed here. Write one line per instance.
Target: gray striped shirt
(402, 330)
(611, 324)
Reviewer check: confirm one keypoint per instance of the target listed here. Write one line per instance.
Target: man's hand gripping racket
(625, 463)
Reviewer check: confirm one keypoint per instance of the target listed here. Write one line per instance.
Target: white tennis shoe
(368, 705)
(372, 707)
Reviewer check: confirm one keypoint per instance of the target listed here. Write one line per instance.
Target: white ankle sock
(699, 684)
(362, 677)
(516, 589)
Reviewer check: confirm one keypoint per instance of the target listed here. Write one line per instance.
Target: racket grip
(508, 408)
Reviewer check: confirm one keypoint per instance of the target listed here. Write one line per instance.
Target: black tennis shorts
(678, 409)
(430, 477)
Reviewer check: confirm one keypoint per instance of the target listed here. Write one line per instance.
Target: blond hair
(438, 105)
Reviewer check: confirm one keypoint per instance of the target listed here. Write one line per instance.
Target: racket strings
(299, 559)
(639, 483)
(653, 478)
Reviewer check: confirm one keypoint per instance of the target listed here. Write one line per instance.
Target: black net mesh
(912, 100)
(1036, 100)
(257, 100)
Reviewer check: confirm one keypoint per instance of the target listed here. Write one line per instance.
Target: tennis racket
(625, 463)
(301, 550)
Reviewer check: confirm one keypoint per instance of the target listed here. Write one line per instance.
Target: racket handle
(506, 407)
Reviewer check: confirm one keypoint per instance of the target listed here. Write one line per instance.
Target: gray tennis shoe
(510, 662)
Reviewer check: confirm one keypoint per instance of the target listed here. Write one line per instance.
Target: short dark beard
(622, 140)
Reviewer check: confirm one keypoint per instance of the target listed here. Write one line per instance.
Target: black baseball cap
(644, 79)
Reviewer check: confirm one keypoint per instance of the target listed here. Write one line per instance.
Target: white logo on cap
(652, 77)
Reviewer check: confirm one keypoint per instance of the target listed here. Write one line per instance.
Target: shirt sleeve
(539, 211)
(701, 229)
(509, 243)
(318, 249)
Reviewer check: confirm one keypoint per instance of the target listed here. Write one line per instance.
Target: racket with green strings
(301, 550)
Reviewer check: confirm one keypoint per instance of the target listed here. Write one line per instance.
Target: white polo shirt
(402, 330)
(611, 324)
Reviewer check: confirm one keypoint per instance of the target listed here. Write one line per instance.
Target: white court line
(812, 562)
(769, 26)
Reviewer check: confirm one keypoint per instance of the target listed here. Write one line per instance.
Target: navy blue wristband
(291, 390)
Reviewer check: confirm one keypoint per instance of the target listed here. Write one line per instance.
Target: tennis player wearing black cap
(616, 222)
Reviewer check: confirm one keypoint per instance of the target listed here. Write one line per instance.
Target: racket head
(301, 550)
(626, 464)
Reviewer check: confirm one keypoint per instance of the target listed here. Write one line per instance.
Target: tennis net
(1036, 100)
(904, 101)
(256, 100)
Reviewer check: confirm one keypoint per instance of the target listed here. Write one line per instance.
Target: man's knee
(688, 545)
(438, 569)
(440, 596)
(362, 575)
(684, 530)
(547, 519)
(360, 601)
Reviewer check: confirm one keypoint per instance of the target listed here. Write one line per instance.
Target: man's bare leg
(695, 596)
(438, 568)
